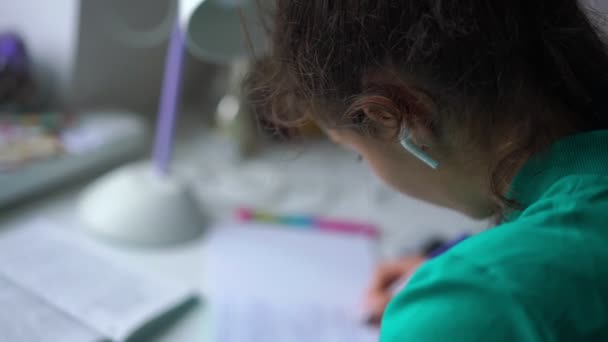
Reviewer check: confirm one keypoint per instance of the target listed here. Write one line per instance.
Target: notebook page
(249, 320)
(25, 318)
(268, 283)
(64, 272)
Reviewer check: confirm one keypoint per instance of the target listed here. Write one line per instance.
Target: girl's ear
(394, 105)
(383, 118)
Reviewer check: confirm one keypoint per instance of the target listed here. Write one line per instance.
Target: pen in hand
(389, 278)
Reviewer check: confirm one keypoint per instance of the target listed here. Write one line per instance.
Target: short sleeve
(449, 299)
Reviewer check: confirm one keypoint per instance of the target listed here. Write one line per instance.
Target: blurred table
(313, 177)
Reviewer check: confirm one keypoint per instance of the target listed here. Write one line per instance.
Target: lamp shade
(222, 31)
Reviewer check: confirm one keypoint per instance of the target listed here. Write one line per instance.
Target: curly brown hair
(484, 64)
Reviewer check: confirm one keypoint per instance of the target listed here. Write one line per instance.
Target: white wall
(82, 61)
(49, 28)
(111, 70)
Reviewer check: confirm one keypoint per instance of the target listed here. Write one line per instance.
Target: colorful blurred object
(16, 84)
(31, 136)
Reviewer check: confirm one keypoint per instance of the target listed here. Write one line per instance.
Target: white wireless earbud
(408, 144)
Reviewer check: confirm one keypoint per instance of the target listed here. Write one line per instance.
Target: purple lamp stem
(169, 101)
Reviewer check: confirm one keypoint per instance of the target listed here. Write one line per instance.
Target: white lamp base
(134, 204)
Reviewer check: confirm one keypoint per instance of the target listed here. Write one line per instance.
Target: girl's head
(480, 85)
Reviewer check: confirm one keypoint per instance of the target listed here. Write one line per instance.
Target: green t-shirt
(540, 276)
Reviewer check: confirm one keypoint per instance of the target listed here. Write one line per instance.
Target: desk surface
(312, 178)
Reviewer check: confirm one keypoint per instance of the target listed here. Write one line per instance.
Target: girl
(491, 108)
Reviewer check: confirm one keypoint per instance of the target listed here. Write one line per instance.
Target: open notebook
(280, 284)
(54, 288)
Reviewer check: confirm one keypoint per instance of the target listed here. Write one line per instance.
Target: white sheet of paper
(65, 273)
(25, 318)
(269, 283)
(241, 320)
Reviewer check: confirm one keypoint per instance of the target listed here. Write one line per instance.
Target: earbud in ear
(408, 144)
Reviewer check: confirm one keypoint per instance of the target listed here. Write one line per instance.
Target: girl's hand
(382, 287)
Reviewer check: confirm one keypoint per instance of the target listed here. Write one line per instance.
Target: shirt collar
(585, 153)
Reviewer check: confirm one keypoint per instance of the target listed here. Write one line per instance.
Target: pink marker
(309, 222)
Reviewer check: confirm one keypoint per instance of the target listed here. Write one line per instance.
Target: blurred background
(79, 59)
(80, 89)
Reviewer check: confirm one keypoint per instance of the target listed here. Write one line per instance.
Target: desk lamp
(147, 203)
